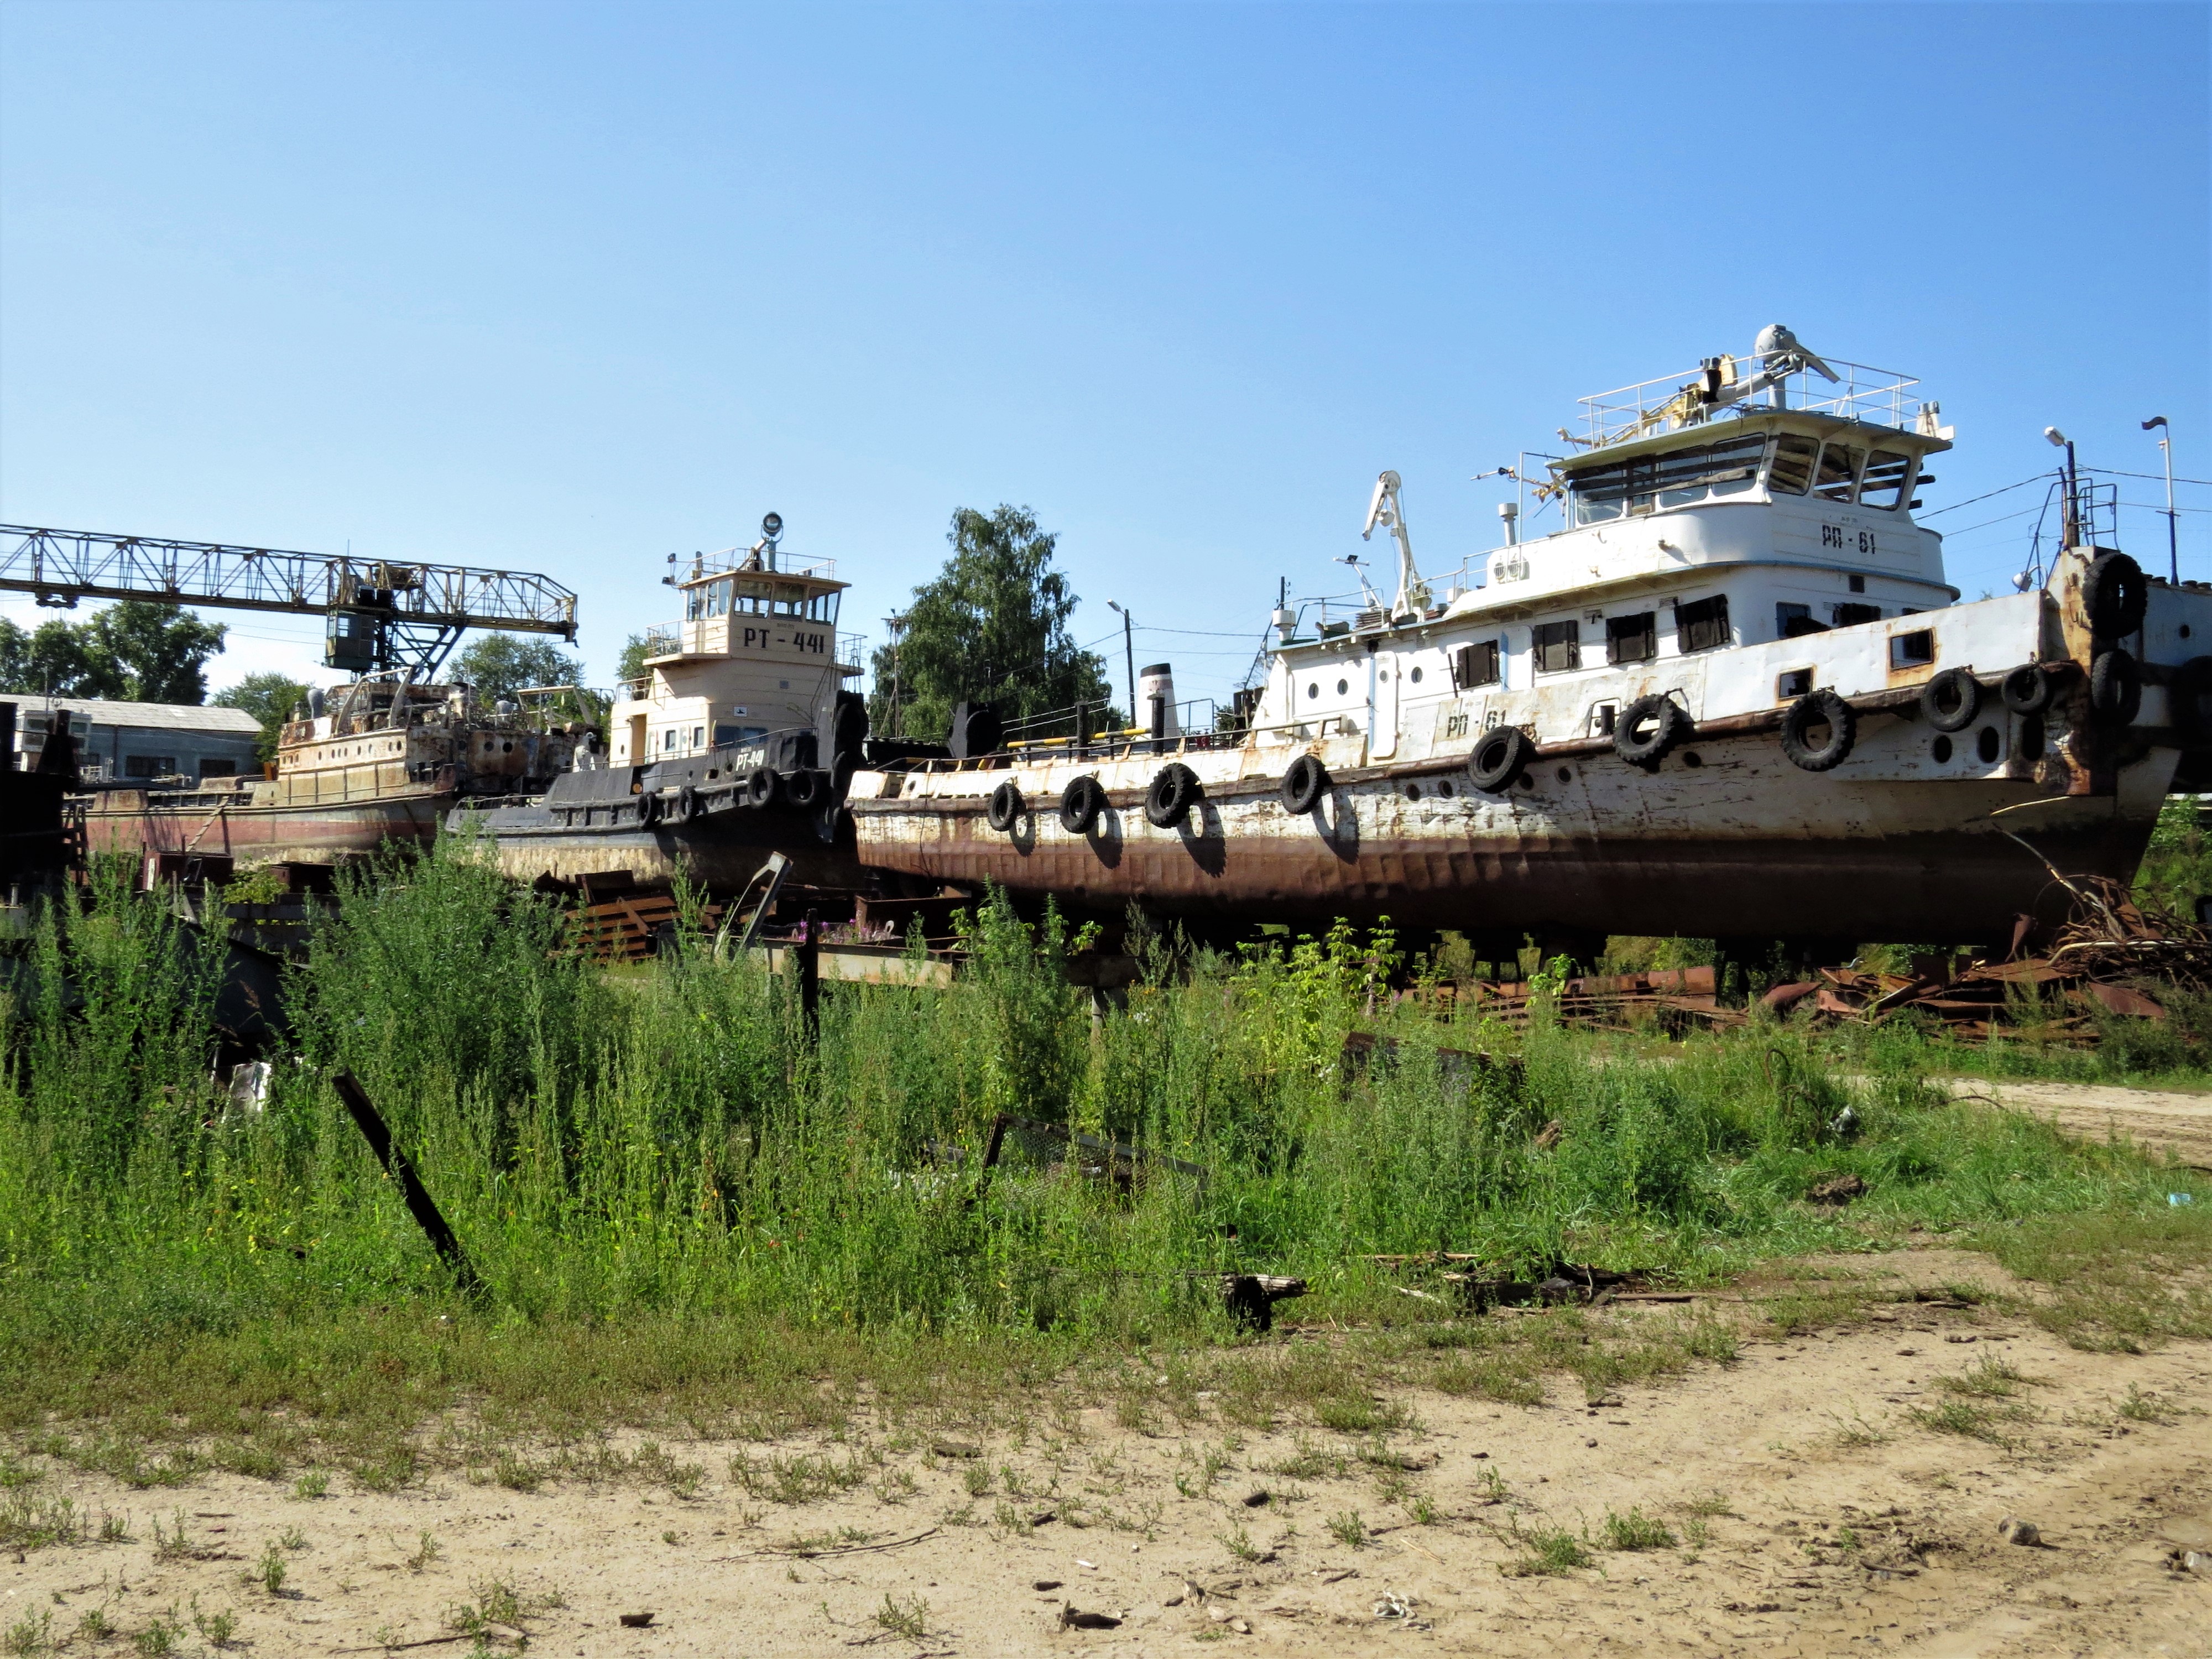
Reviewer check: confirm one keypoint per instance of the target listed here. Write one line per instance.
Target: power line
(2040, 478)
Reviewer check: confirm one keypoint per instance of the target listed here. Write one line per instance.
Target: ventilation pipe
(1156, 702)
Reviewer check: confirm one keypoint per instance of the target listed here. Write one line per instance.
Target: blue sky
(571, 287)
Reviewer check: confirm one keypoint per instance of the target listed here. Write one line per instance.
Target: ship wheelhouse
(757, 653)
(1688, 524)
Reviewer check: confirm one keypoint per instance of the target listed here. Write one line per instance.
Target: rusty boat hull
(136, 822)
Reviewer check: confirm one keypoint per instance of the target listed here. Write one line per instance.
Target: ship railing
(664, 639)
(1881, 396)
(852, 653)
(726, 560)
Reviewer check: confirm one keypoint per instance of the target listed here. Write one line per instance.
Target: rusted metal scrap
(1477, 1292)
(1676, 995)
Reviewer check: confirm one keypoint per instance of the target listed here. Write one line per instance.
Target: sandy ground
(1835, 1524)
(2163, 1120)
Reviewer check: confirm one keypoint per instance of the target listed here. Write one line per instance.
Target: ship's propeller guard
(1168, 802)
(1499, 758)
(1303, 785)
(1080, 804)
(1006, 808)
(1950, 702)
(1669, 725)
(1821, 708)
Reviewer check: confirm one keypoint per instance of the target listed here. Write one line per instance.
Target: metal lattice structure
(382, 614)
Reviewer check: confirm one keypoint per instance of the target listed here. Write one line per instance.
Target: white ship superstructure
(1734, 692)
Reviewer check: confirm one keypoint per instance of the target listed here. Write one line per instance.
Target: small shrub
(1634, 1531)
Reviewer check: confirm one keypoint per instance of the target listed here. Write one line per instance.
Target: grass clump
(1634, 1531)
(1547, 1550)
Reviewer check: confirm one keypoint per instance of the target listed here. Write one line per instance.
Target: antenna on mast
(1385, 511)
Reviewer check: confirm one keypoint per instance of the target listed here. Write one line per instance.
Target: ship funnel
(1156, 701)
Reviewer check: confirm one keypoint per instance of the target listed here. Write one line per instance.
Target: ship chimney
(1509, 518)
(1156, 702)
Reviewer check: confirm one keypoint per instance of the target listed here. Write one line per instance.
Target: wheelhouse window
(1474, 665)
(1632, 639)
(1559, 647)
(1913, 650)
(1675, 478)
(1703, 624)
(1793, 621)
(1883, 486)
(1840, 472)
(1790, 472)
(1850, 615)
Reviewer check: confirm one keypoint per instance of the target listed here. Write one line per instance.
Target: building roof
(209, 718)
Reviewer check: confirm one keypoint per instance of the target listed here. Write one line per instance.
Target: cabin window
(1475, 665)
(1792, 684)
(1850, 615)
(1632, 639)
(726, 736)
(1840, 472)
(1913, 650)
(1313, 688)
(694, 603)
(148, 766)
(1884, 483)
(668, 741)
(1793, 621)
(1675, 478)
(1790, 472)
(1559, 647)
(1703, 624)
(1343, 686)
(698, 737)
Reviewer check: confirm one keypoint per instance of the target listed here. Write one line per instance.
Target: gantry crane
(381, 615)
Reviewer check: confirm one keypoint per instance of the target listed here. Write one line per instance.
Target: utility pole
(1129, 657)
(2172, 521)
(896, 623)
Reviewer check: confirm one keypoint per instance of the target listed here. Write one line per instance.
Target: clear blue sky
(570, 288)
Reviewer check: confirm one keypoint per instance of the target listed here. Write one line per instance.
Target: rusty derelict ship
(738, 740)
(381, 759)
(1732, 694)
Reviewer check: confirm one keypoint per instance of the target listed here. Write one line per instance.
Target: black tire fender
(1080, 804)
(2114, 595)
(1169, 801)
(688, 804)
(1005, 811)
(1821, 708)
(1958, 683)
(1303, 785)
(2115, 687)
(764, 787)
(1669, 725)
(2026, 690)
(649, 807)
(1497, 758)
(803, 788)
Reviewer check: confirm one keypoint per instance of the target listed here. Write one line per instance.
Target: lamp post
(1129, 655)
(2172, 532)
(2070, 522)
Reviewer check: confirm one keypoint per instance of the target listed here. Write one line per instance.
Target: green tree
(137, 650)
(634, 651)
(500, 664)
(993, 628)
(270, 699)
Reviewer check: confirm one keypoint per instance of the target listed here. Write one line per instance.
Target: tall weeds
(676, 1139)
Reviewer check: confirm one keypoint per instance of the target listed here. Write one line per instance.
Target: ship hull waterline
(1743, 845)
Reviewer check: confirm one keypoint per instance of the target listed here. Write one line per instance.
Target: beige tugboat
(739, 739)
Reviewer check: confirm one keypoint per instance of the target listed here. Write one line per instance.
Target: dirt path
(1810, 1515)
(2162, 1120)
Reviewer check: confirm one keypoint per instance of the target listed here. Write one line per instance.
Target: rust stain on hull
(266, 834)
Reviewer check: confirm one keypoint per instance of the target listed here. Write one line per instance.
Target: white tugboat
(737, 740)
(1734, 694)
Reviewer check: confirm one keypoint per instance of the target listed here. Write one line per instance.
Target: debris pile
(1676, 996)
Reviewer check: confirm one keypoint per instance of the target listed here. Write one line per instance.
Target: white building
(124, 742)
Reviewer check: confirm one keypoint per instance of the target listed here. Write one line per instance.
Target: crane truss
(382, 614)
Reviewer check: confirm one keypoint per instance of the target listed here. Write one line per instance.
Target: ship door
(637, 739)
(1382, 707)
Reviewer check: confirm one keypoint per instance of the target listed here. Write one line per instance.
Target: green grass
(686, 1212)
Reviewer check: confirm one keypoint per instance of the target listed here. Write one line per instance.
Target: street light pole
(1129, 655)
(2070, 521)
(2172, 531)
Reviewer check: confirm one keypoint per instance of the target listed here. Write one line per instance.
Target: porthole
(1343, 686)
(1413, 792)
(1691, 757)
(1313, 689)
(2184, 632)
(1417, 677)
(1445, 789)
(1942, 750)
(1989, 745)
(1566, 774)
